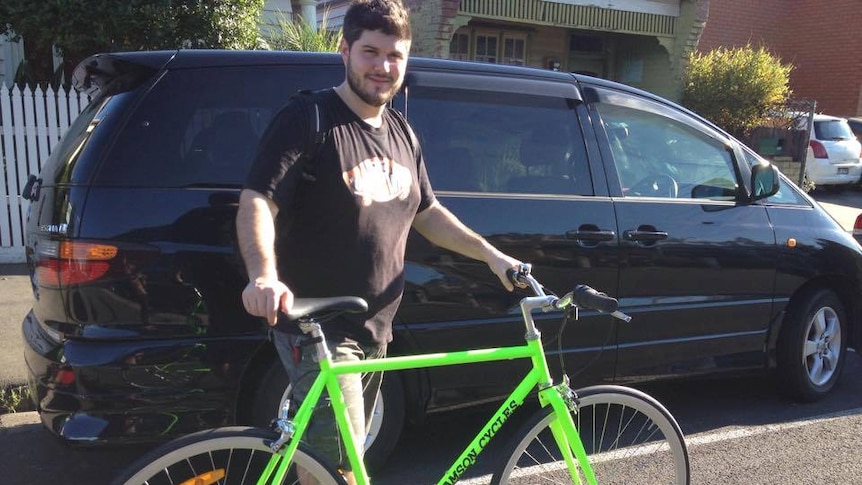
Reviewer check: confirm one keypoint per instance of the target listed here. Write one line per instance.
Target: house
(643, 43)
(819, 38)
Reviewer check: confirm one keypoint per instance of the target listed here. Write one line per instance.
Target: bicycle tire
(630, 438)
(239, 453)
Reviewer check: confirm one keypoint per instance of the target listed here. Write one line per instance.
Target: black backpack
(310, 101)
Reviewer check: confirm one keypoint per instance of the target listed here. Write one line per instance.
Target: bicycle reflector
(207, 478)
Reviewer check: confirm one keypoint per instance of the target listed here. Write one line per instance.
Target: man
(345, 232)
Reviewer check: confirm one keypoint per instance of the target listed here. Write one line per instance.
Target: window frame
(477, 37)
(486, 57)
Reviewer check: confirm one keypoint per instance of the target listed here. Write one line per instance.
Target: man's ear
(344, 48)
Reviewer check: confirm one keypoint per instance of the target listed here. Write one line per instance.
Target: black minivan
(138, 333)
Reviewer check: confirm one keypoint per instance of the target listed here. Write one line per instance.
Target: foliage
(13, 398)
(300, 35)
(80, 28)
(736, 88)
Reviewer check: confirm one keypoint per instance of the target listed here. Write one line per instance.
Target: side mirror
(764, 181)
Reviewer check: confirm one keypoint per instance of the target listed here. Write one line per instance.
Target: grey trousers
(360, 391)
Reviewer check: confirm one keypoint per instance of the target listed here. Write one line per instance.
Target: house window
(514, 49)
(486, 48)
(459, 48)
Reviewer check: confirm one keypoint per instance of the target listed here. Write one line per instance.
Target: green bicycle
(596, 435)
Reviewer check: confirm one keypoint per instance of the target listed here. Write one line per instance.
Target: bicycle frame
(558, 396)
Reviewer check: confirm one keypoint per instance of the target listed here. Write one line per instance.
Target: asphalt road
(740, 431)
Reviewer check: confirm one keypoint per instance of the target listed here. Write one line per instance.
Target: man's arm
(255, 227)
(442, 228)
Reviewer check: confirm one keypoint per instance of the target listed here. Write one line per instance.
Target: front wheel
(630, 438)
(235, 455)
(811, 345)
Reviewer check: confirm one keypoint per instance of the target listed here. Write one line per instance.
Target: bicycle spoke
(629, 439)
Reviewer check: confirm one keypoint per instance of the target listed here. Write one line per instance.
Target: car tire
(811, 346)
(386, 425)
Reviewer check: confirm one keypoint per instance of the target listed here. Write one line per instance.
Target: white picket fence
(31, 124)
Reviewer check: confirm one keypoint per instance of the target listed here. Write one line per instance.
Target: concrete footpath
(15, 298)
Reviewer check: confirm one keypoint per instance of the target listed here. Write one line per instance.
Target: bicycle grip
(516, 277)
(586, 297)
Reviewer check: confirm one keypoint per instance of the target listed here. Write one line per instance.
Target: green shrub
(736, 88)
(300, 35)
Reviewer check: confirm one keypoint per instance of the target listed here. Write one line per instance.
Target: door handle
(591, 235)
(642, 235)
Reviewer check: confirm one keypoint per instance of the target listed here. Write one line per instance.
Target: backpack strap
(317, 131)
(405, 126)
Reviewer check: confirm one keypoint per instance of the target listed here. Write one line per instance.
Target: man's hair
(387, 16)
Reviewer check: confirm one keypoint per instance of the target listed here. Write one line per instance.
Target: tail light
(819, 149)
(857, 226)
(62, 263)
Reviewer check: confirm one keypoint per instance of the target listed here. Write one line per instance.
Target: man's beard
(373, 98)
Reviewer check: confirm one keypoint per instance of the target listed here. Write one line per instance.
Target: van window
(479, 141)
(60, 165)
(201, 127)
(665, 156)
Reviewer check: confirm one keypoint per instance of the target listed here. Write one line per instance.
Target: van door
(698, 262)
(508, 157)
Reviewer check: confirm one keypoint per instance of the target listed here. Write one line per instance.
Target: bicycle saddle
(319, 307)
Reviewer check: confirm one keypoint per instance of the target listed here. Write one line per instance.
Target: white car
(833, 153)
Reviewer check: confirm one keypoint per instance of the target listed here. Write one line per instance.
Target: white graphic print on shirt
(379, 180)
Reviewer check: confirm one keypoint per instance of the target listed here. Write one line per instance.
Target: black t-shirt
(345, 232)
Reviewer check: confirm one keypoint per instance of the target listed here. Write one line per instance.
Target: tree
(300, 35)
(80, 28)
(736, 88)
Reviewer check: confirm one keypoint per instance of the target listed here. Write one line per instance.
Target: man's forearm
(256, 235)
(442, 228)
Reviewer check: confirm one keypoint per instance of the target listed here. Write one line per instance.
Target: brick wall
(823, 44)
(735, 23)
(433, 22)
(818, 38)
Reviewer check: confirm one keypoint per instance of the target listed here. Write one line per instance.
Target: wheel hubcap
(822, 346)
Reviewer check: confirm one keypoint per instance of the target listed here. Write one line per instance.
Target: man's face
(375, 66)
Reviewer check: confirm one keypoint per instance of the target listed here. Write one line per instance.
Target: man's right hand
(264, 297)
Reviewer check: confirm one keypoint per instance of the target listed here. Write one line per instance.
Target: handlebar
(582, 296)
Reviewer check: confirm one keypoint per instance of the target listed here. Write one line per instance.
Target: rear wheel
(811, 346)
(629, 437)
(235, 455)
